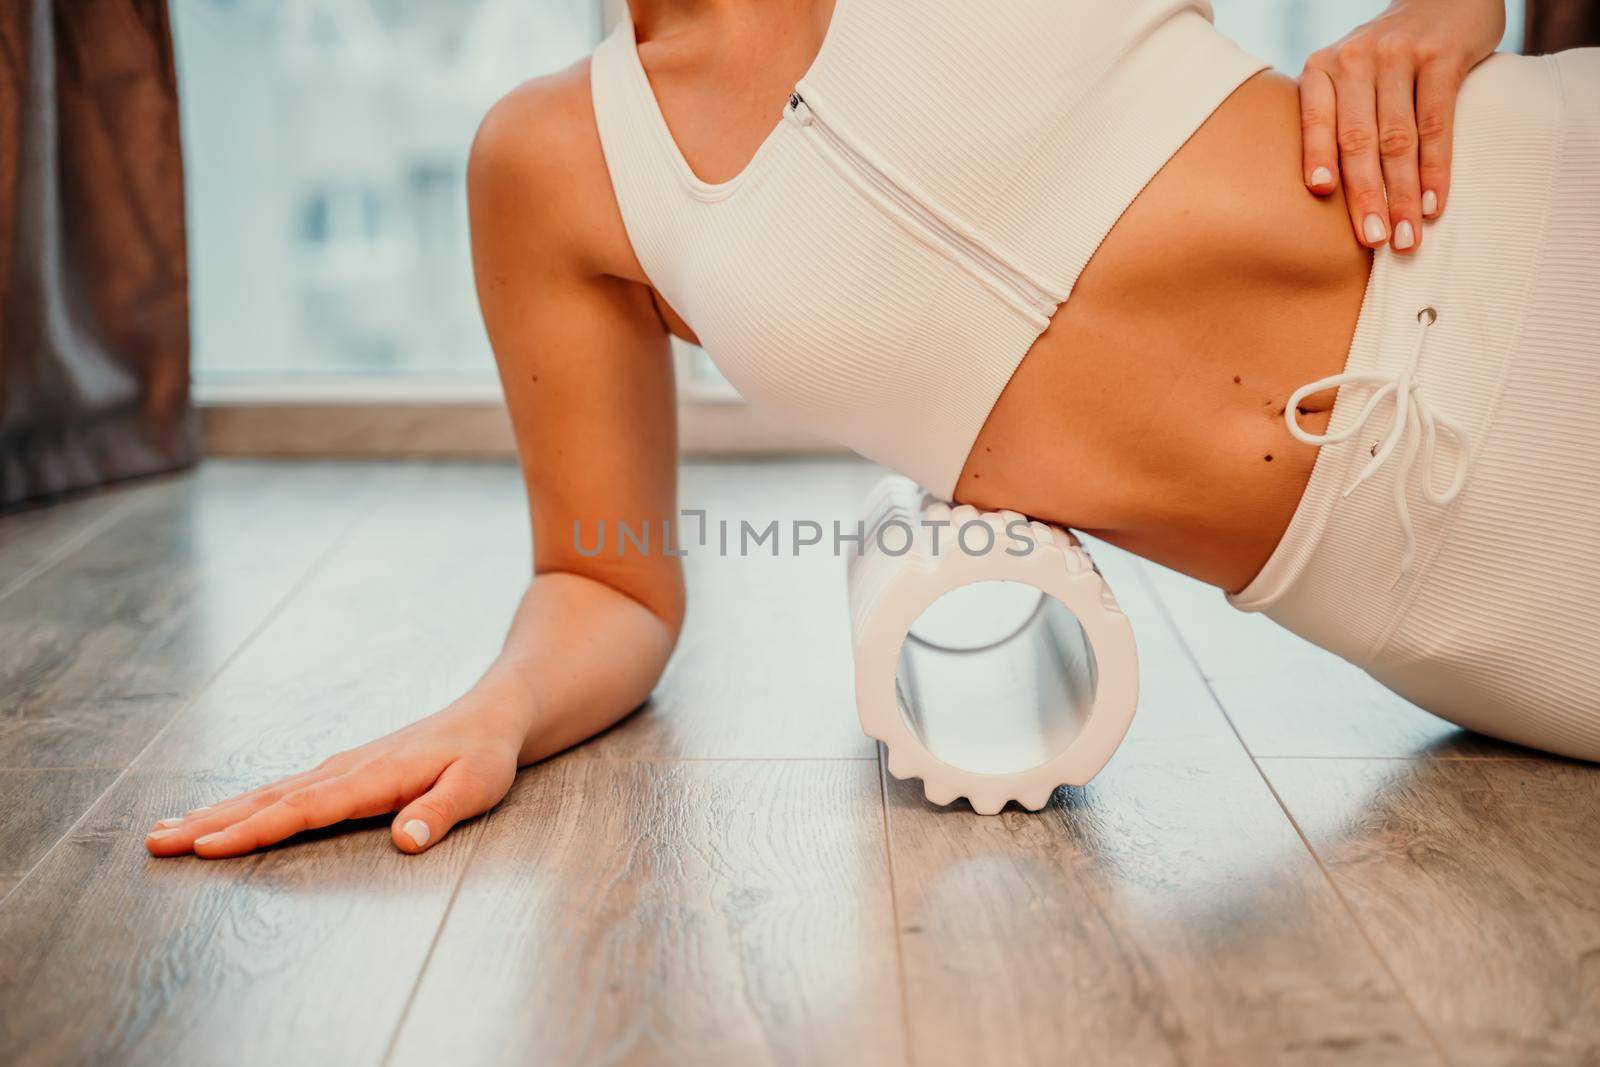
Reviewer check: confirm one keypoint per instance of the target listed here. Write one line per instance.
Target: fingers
(1438, 82)
(1357, 115)
(463, 790)
(1318, 131)
(1397, 141)
(1393, 97)
(467, 787)
(370, 790)
(176, 836)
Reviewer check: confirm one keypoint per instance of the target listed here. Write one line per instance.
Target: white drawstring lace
(1413, 419)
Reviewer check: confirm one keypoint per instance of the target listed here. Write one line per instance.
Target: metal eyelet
(1427, 316)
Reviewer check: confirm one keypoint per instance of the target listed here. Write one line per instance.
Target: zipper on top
(966, 247)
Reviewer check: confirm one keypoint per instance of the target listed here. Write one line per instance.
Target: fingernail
(169, 822)
(418, 831)
(1404, 237)
(206, 840)
(156, 834)
(1373, 229)
(1430, 203)
(199, 811)
(1322, 176)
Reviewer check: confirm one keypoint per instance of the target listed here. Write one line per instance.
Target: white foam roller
(1041, 699)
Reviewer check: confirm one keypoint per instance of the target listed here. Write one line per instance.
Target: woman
(1251, 314)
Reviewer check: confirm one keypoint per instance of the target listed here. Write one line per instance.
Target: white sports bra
(936, 183)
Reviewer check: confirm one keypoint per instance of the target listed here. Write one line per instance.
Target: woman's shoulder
(537, 166)
(540, 128)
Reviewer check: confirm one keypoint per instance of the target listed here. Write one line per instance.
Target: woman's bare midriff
(1150, 413)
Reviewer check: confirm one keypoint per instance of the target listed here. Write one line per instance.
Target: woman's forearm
(579, 656)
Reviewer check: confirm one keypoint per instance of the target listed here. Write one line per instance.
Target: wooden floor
(1282, 864)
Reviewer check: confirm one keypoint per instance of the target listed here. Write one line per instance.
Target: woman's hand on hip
(1378, 106)
(448, 767)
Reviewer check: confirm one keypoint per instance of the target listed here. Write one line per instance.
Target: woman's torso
(1148, 408)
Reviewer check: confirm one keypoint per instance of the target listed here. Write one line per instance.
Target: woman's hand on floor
(448, 767)
(1378, 106)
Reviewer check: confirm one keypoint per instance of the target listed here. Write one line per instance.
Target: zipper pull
(799, 110)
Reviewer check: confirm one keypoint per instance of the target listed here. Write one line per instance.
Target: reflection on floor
(1283, 863)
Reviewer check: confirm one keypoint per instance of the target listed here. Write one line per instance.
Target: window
(325, 147)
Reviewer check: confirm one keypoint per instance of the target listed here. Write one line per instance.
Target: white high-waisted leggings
(1488, 612)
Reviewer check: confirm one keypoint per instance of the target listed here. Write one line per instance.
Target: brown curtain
(94, 314)
(1556, 25)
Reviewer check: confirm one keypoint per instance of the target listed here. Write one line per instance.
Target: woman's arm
(587, 373)
(1378, 107)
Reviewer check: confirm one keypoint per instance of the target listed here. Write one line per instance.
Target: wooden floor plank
(40, 805)
(300, 955)
(1287, 697)
(783, 688)
(1166, 913)
(98, 653)
(708, 912)
(1479, 882)
(34, 537)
